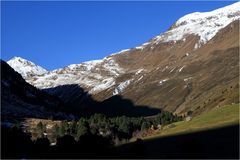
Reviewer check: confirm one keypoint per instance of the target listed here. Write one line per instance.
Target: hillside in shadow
(217, 143)
(81, 102)
(20, 100)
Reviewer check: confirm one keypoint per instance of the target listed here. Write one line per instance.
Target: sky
(56, 34)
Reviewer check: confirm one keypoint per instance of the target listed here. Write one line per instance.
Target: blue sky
(56, 34)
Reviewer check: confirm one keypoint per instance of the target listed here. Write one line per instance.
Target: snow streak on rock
(119, 89)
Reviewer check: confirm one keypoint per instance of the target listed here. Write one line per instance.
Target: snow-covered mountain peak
(203, 24)
(20, 60)
(218, 14)
(25, 67)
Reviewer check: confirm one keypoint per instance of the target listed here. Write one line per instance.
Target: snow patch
(172, 70)
(139, 71)
(122, 51)
(111, 66)
(106, 83)
(142, 46)
(140, 78)
(119, 89)
(180, 70)
(196, 46)
(162, 81)
(88, 65)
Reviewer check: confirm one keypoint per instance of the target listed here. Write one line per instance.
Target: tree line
(117, 128)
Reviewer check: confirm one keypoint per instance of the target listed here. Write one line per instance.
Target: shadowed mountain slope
(21, 100)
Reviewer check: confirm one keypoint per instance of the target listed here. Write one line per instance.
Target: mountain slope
(21, 100)
(25, 67)
(216, 118)
(179, 78)
(190, 68)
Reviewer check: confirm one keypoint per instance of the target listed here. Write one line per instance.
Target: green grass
(215, 118)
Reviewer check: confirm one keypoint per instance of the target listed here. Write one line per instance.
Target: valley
(174, 96)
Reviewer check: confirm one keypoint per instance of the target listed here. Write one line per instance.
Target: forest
(92, 137)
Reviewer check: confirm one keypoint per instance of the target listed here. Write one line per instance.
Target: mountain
(26, 68)
(21, 100)
(190, 68)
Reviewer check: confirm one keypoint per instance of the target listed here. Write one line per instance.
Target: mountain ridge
(230, 11)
